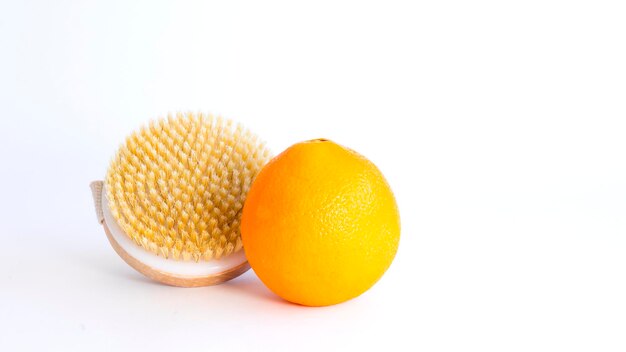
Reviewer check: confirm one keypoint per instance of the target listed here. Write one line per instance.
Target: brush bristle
(177, 186)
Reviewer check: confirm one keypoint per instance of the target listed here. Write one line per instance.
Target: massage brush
(172, 198)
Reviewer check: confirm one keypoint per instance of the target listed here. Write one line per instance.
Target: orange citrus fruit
(320, 224)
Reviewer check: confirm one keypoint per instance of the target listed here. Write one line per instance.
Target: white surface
(175, 267)
(500, 125)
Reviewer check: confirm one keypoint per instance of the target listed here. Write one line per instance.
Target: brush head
(177, 186)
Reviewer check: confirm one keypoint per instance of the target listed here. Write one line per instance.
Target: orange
(320, 224)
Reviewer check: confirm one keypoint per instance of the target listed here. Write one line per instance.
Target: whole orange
(320, 224)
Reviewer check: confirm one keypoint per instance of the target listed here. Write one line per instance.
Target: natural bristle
(177, 186)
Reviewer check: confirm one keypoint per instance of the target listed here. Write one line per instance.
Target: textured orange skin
(320, 224)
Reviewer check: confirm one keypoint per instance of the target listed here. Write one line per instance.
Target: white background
(500, 126)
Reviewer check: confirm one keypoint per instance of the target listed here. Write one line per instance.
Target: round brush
(172, 197)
